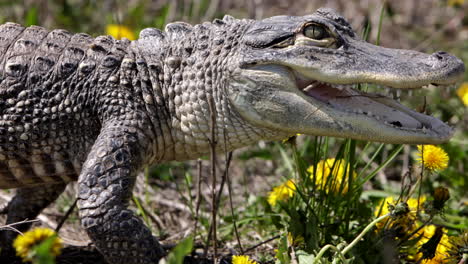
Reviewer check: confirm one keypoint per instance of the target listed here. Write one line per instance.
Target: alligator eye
(316, 32)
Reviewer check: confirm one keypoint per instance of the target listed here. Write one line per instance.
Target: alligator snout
(448, 61)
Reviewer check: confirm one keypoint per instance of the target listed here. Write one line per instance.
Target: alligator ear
(228, 18)
(331, 14)
(152, 33)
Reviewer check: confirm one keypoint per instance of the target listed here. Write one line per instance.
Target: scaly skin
(99, 110)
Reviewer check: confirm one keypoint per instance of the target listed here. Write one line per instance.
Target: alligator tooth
(369, 113)
(377, 117)
(396, 95)
(359, 111)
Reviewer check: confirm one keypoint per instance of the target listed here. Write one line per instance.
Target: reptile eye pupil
(315, 32)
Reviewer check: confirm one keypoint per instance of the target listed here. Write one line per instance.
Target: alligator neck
(183, 87)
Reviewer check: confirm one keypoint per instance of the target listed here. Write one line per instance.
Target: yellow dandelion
(324, 170)
(405, 223)
(462, 92)
(295, 240)
(455, 2)
(458, 248)
(120, 31)
(25, 244)
(434, 246)
(290, 139)
(413, 203)
(242, 259)
(434, 158)
(282, 192)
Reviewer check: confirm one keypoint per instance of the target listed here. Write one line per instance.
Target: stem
(367, 229)
(324, 249)
(464, 258)
(213, 143)
(382, 12)
(352, 244)
(198, 198)
(67, 214)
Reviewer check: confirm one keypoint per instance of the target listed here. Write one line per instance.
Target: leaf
(304, 257)
(176, 256)
(283, 254)
(42, 252)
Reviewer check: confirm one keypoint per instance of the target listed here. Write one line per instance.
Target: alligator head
(299, 75)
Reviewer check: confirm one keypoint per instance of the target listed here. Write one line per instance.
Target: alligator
(98, 110)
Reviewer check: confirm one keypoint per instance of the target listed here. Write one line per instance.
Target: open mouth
(299, 101)
(379, 106)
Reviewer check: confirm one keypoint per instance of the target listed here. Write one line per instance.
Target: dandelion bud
(441, 195)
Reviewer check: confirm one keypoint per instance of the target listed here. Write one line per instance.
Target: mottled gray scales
(98, 110)
(9, 32)
(21, 170)
(8, 180)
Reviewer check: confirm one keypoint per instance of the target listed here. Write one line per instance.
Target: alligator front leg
(105, 187)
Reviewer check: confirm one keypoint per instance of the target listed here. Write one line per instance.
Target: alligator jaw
(376, 107)
(282, 99)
